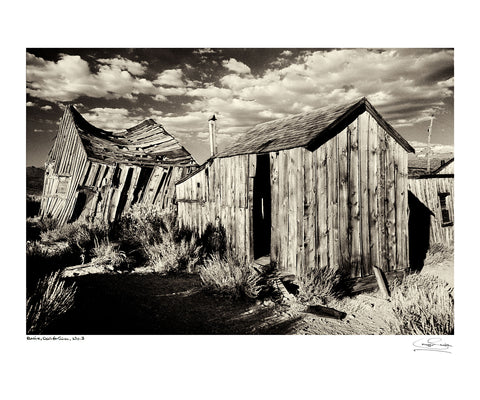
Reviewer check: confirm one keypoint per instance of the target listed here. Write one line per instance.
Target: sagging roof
(146, 144)
(310, 129)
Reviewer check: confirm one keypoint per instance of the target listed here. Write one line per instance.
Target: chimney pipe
(212, 127)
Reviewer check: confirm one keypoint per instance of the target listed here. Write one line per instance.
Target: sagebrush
(319, 285)
(227, 275)
(107, 254)
(144, 225)
(78, 235)
(169, 255)
(422, 304)
(51, 299)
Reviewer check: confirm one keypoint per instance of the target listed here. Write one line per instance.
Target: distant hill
(35, 180)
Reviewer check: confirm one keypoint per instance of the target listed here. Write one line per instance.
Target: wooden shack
(92, 174)
(431, 210)
(326, 187)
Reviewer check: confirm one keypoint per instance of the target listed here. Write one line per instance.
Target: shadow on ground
(150, 304)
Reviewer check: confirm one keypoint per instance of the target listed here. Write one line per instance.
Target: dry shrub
(106, 254)
(144, 224)
(422, 305)
(154, 234)
(437, 253)
(169, 255)
(47, 223)
(51, 299)
(75, 234)
(319, 285)
(229, 276)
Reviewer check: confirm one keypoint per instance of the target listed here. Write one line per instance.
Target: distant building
(92, 174)
(431, 202)
(327, 187)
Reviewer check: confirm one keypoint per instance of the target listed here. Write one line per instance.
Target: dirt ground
(130, 304)
(369, 314)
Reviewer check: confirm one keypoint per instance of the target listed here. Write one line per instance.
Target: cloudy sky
(181, 88)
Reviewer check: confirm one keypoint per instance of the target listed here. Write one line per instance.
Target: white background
(231, 367)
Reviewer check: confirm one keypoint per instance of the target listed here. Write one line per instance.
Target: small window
(62, 185)
(446, 216)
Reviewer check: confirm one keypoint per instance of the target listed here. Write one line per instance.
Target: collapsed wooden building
(431, 200)
(326, 187)
(95, 175)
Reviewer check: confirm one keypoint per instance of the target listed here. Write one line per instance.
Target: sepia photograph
(240, 191)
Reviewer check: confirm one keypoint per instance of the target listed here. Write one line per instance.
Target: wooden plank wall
(221, 194)
(345, 204)
(66, 159)
(426, 190)
(159, 190)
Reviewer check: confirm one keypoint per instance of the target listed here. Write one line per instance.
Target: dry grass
(78, 235)
(106, 254)
(422, 305)
(143, 225)
(319, 285)
(228, 276)
(170, 255)
(51, 299)
(437, 253)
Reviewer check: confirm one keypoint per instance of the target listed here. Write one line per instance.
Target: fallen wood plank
(381, 281)
(325, 312)
(369, 283)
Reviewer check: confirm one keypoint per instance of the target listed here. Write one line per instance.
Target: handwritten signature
(432, 344)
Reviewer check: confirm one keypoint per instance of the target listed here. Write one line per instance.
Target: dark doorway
(262, 208)
(418, 231)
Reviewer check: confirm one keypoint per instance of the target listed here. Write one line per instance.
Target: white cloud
(170, 77)
(236, 66)
(134, 67)
(111, 119)
(402, 85)
(421, 147)
(70, 77)
(210, 92)
(204, 51)
(46, 108)
(30, 104)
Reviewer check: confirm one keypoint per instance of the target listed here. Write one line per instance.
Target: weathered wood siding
(427, 191)
(65, 163)
(221, 194)
(344, 204)
(113, 189)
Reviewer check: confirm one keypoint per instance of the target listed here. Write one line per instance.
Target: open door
(262, 208)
